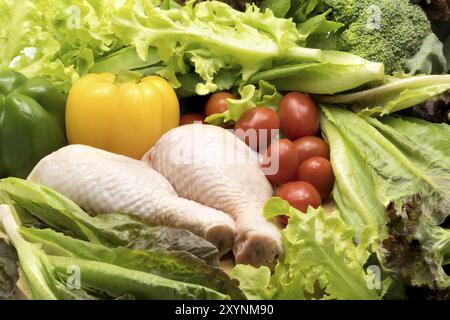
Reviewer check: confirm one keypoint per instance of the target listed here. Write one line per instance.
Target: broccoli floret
(387, 31)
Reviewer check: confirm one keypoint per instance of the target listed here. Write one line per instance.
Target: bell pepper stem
(125, 76)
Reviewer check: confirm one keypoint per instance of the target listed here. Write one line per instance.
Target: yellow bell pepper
(121, 114)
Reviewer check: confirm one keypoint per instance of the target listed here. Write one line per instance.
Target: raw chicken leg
(208, 164)
(103, 182)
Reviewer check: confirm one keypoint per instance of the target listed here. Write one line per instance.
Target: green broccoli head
(387, 31)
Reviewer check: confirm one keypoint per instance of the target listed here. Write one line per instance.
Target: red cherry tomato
(300, 195)
(280, 162)
(282, 221)
(217, 103)
(256, 124)
(308, 147)
(318, 172)
(299, 116)
(190, 118)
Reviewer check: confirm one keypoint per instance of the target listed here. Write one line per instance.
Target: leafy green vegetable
(58, 40)
(279, 7)
(436, 110)
(106, 272)
(338, 71)
(112, 230)
(406, 157)
(407, 161)
(255, 282)
(418, 265)
(320, 260)
(266, 95)
(35, 265)
(354, 190)
(398, 94)
(430, 59)
(9, 270)
(319, 25)
(447, 51)
(118, 281)
(178, 266)
(200, 47)
(127, 59)
(211, 36)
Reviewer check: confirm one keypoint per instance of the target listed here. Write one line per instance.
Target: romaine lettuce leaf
(402, 165)
(111, 229)
(37, 270)
(178, 266)
(49, 276)
(397, 94)
(354, 190)
(337, 72)
(407, 161)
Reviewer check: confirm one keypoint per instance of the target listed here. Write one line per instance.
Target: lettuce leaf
(337, 72)
(9, 270)
(402, 162)
(404, 170)
(430, 59)
(178, 266)
(48, 276)
(210, 36)
(266, 95)
(321, 260)
(35, 265)
(208, 45)
(354, 190)
(397, 94)
(59, 40)
(112, 229)
(436, 110)
(418, 265)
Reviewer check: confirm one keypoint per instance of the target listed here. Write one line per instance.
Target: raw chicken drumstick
(210, 165)
(103, 182)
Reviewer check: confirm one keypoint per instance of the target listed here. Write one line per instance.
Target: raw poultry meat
(210, 165)
(102, 182)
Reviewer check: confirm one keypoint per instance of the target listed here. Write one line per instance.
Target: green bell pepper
(32, 113)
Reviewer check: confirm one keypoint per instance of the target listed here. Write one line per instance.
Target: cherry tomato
(300, 195)
(280, 162)
(319, 173)
(308, 147)
(282, 221)
(190, 118)
(299, 116)
(256, 124)
(217, 103)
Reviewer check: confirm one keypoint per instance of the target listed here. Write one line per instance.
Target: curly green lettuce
(266, 95)
(321, 261)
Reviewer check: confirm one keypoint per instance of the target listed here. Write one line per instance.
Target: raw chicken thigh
(210, 165)
(102, 182)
